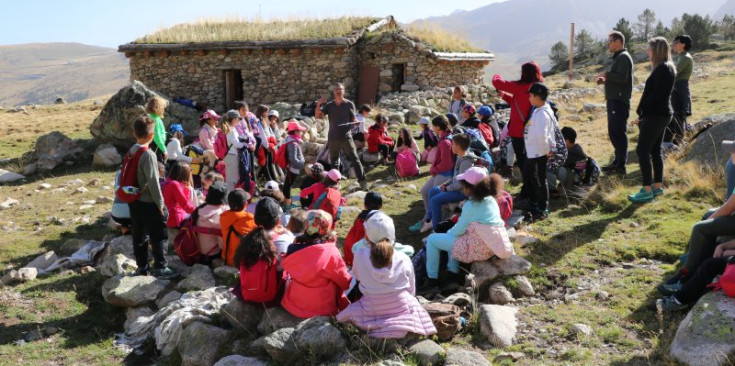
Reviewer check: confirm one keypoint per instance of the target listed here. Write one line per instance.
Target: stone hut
(371, 61)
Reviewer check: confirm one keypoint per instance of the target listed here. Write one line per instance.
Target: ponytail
(255, 246)
(381, 254)
(492, 185)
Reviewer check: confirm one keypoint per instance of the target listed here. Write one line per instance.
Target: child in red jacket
(378, 139)
(373, 202)
(176, 191)
(330, 199)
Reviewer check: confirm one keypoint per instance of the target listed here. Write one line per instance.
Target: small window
(399, 76)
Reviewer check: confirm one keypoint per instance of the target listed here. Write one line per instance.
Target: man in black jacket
(618, 82)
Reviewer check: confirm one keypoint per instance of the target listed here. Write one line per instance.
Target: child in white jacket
(538, 136)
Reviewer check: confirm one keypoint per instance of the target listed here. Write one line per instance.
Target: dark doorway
(233, 87)
(399, 76)
(369, 77)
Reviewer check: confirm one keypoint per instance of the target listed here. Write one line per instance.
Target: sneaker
(641, 197)
(165, 273)
(658, 192)
(416, 227)
(427, 226)
(140, 272)
(669, 304)
(668, 289)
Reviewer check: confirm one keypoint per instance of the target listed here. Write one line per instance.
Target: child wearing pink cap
(294, 157)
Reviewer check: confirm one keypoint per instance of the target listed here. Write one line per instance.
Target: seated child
(316, 274)
(209, 179)
(176, 190)
(207, 215)
(359, 131)
(373, 201)
(316, 176)
(451, 191)
(480, 208)
(297, 223)
(378, 140)
(236, 223)
(430, 141)
(575, 155)
(388, 307)
(268, 214)
(260, 279)
(327, 196)
(390, 233)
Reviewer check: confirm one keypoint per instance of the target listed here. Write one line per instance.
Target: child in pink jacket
(176, 190)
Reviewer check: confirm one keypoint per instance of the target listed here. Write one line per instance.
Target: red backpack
(282, 155)
(129, 176)
(487, 133)
(220, 145)
(505, 203)
(357, 233)
(186, 243)
(727, 279)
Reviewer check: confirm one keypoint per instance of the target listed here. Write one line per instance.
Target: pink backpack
(406, 165)
(505, 203)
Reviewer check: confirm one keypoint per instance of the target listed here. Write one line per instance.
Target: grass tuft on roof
(439, 39)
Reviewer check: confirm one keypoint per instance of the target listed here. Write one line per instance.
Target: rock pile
(52, 150)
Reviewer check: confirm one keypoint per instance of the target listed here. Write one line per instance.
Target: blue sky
(111, 23)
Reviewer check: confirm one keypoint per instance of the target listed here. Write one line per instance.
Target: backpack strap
(229, 234)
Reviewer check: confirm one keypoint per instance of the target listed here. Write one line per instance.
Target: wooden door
(233, 87)
(369, 77)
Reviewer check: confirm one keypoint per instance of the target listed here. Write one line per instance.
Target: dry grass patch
(241, 29)
(440, 39)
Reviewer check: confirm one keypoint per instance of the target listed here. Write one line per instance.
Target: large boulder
(280, 345)
(498, 323)
(319, 336)
(200, 278)
(428, 352)
(106, 155)
(119, 245)
(706, 336)
(242, 316)
(115, 121)
(52, 150)
(130, 291)
(276, 318)
(486, 271)
(117, 264)
(707, 147)
(237, 360)
(200, 344)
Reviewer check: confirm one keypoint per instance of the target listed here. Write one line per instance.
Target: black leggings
(287, 183)
(385, 150)
(268, 170)
(696, 286)
(519, 148)
(649, 149)
(534, 178)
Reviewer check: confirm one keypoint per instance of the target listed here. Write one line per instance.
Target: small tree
(643, 28)
(699, 28)
(660, 30)
(623, 26)
(727, 27)
(584, 45)
(559, 55)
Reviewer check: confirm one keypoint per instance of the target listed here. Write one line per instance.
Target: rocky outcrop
(707, 147)
(52, 150)
(132, 291)
(200, 344)
(106, 155)
(707, 335)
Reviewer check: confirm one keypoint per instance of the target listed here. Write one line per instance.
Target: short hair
(685, 40)
(214, 177)
(237, 200)
(381, 118)
(241, 104)
(276, 195)
(373, 200)
(364, 108)
(442, 122)
(297, 222)
(461, 90)
(143, 126)
(157, 106)
(339, 85)
(569, 134)
(617, 36)
(462, 140)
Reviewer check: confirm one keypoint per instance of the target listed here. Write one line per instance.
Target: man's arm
(318, 113)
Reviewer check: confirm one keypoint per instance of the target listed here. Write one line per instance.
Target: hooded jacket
(520, 105)
(316, 279)
(444, 161)
(178, 204)
(242, 222)
(376, 137)
(388, 307)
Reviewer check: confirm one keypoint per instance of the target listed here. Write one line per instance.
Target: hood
(385, 279)
(308, 263)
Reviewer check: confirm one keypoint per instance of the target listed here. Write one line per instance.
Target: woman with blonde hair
(654, 114)
(156, 108)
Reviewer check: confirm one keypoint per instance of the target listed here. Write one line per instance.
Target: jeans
(435, 243)
(431, 183)
(437, 198)
(730, 174)
(703, 240)
(565, 176)
(618, 112)
(147, 220)
(649, 149)
(696, 286)
(348, 146)
(534, 177)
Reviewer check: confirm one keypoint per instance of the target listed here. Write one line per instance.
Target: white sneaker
(427, 226)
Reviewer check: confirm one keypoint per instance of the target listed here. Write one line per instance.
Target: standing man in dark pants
(342, 113)
(618, 82)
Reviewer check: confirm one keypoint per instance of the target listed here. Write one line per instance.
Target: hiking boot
(669, 304)
(430, 287)
(427, 226)
(616, 171)
(140, 272)
(416, 227)
(641, 197)
(165, 273)
(668, 289)
(658, 192)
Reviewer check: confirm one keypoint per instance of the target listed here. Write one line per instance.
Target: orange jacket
(242, 222)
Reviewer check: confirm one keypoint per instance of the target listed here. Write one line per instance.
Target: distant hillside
(38, 73)
(727, 8)
(521, 30)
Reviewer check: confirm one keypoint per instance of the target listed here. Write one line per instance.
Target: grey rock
(460, 299)
(370, 158)
(707, 147)
(70, 246)
(499, 294)
(168, 298)
(8, 176)
(8, 203)
(237, 360)
(227, 273)
(52, 150)
(280, 345)
(200, 343)
(256, 348)
(428, 352)
(461, 357)
(200, 278)
(524, 286)
(498, 323)
(319, 336)
(509, 356)
(593, 107)
(581, 329)
(106, 155)
(43, 261)
(133, 315)
(486, 271)
(21, 275)
(705, 336)
(130, 291)
(119, 245)
(243, 317)
(117, 264)
(276, 318)
(359, 195)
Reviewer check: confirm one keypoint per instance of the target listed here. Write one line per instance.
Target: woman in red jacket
(316, 274)
(378, 139)
(177, 194)
(442, 167)
(515, 93)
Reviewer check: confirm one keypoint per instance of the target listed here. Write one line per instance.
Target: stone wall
(268, 76)
(422, 69)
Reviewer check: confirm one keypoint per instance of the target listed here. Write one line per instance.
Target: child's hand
(718, 251)
(732, 158)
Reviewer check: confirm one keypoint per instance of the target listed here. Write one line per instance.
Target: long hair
(255, 246)
(405, 138)
(381, 254)
(180, 172)
(661, 53)
(531, 73)
(157, 106)
(492, 185)
(260, 111)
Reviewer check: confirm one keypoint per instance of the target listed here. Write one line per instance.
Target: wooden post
(571, 52)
